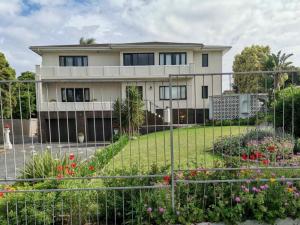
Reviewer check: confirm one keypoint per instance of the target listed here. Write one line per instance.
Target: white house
(79, 83)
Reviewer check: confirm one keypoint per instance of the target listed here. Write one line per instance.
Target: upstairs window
(172, 58)
(75, 94)
(204, 60)
(204, 92)
(73, 61)
(178, 92)
(138, 59)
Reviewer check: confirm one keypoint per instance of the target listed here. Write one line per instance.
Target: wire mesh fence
(148, 152)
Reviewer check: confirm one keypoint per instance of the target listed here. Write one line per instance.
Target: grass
(192, 147)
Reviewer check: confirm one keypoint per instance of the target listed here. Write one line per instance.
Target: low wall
(26, 128)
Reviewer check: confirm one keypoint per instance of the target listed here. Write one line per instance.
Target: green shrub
(287, 104)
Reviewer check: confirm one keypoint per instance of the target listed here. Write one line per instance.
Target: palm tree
(87, 41)
(277, 62)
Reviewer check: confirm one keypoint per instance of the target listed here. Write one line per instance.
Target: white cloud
(232, 22)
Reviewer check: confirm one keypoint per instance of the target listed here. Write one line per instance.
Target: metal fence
(164, 145)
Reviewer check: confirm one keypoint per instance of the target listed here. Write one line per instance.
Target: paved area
(12, 161)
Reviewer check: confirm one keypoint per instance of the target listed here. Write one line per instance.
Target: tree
(26, 96)
(130, 111)
(252, 58)
(8, 99)
(277, 62)
(87, 41)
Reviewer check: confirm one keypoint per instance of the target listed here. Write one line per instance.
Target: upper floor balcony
(113, 72)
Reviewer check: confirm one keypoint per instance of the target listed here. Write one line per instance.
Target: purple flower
(161, 210)
(254, 189)
(264, 187)
(297, 194)
(289, 183)
(149, 210)
(237, 199)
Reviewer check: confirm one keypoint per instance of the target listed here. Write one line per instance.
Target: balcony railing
(113, 72)
(76, 106)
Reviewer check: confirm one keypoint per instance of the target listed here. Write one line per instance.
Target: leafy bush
(287, 104)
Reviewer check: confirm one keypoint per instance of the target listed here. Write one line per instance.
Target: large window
(172, 58)
(204, 60)
(73, 61)
(178, 92)
(75, 94)
(204, 91)
(138, 59)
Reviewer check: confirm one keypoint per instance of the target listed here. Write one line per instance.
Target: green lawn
(191, 147)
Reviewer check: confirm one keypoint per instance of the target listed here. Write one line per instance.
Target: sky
(238, 23)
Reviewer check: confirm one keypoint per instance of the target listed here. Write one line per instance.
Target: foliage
(287, 110)
(250, 59)
(260, 145)
(8, 99)
(276, 62)
(130, 111)
(26, 96)
(87, 41)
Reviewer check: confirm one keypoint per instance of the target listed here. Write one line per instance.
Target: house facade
(78, 84)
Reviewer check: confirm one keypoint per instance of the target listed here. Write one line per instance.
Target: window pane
(78, 61)
(63, 95)
(79, 94)
(135, 60)
(86, 94)
(61, 61)
(167, 93)
(161, 59)
(70, 94)
(168, 59)
(69, 61)
(151, 59)
(183, 58)
(85, 61)
(177, 59)
(204, 91)
(127, 59)
(204, 60)
(161, 93)
(143, 59)
(174, 92)
(183, 92)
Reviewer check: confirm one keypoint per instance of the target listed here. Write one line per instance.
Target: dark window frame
(176, 86)
(173, 58)
(75, 91)
(62, 60)
(137, 64)
(205, 62)
(204, 91)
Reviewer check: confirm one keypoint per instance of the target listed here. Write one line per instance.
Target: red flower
(59, 176)
(73, 165)
(259, 155)
(60, 168)
(91, 168)
(70, 172)
(193, 173)
(72, 156)
(1, 194)
(266, 162)
(244, 157)
(6, 126)
(271, 148)
(252, 157)
(167, 179)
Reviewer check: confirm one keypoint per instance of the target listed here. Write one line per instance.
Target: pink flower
(161, 210)
(237, 199)
(264, 187)
(149, 210)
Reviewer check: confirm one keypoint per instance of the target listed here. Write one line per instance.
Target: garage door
(100, 133)
(65, 133)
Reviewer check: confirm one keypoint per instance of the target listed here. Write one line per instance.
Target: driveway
(12, 161)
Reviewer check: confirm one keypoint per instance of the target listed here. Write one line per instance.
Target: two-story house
(78, 84)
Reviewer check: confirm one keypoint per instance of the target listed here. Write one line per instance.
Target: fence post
(171, 145)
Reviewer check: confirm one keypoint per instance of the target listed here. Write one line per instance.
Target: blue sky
(238, 23)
